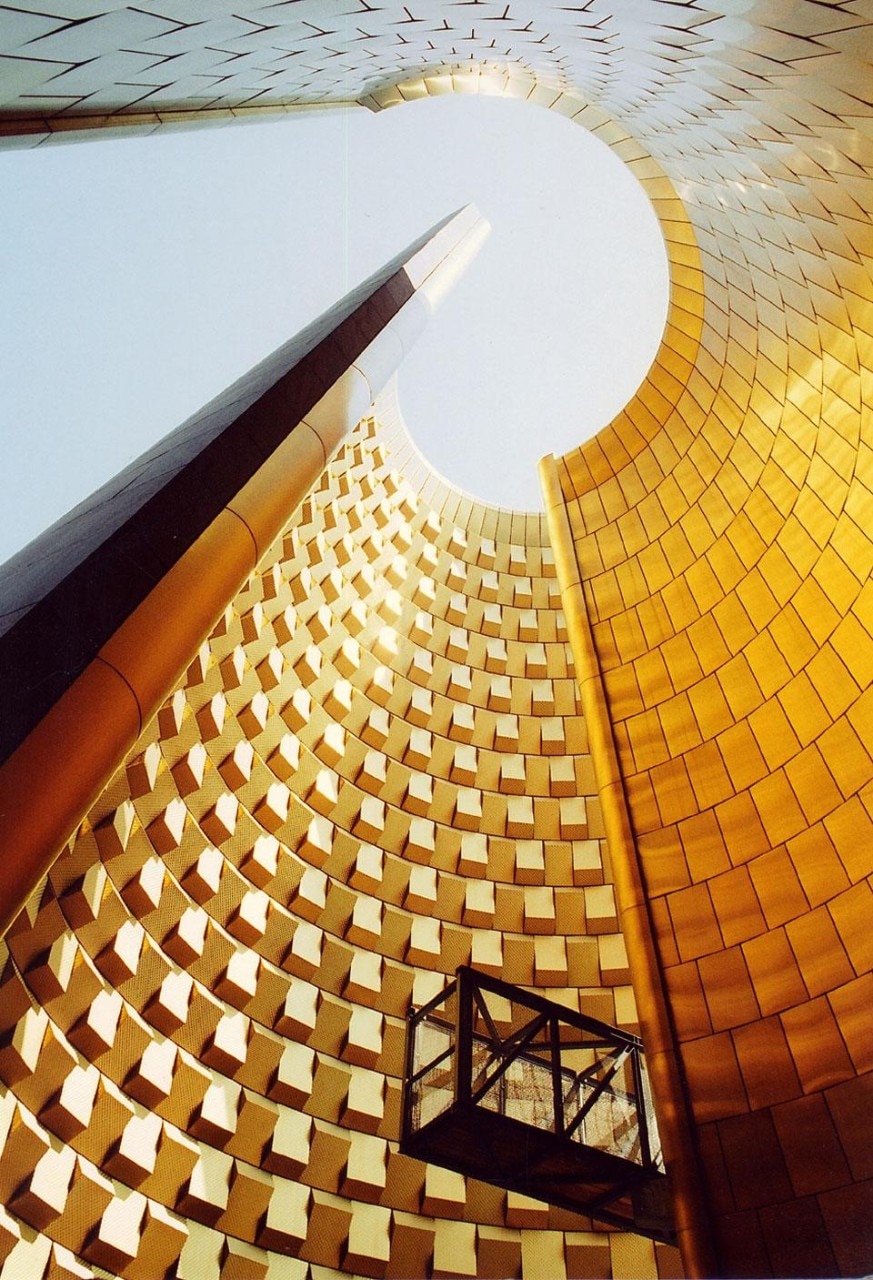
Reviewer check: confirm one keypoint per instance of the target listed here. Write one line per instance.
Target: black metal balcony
(515, 1090)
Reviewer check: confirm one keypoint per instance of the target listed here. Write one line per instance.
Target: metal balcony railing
(507, 1087)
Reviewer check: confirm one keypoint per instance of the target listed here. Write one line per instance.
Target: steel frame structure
(545, 1101)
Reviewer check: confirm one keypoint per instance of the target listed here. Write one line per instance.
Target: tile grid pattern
(722, 530)
(147, 66)
(721, 522)
(375, 770)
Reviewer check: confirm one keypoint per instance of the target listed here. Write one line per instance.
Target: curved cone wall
(375, 769)
(718, 535)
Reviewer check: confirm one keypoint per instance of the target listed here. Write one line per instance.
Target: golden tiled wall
(376, 769)
(722, 523)
(723, 530)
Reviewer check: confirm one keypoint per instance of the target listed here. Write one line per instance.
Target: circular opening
(555, 324)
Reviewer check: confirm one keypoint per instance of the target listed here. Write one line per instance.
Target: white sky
(140, 277)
